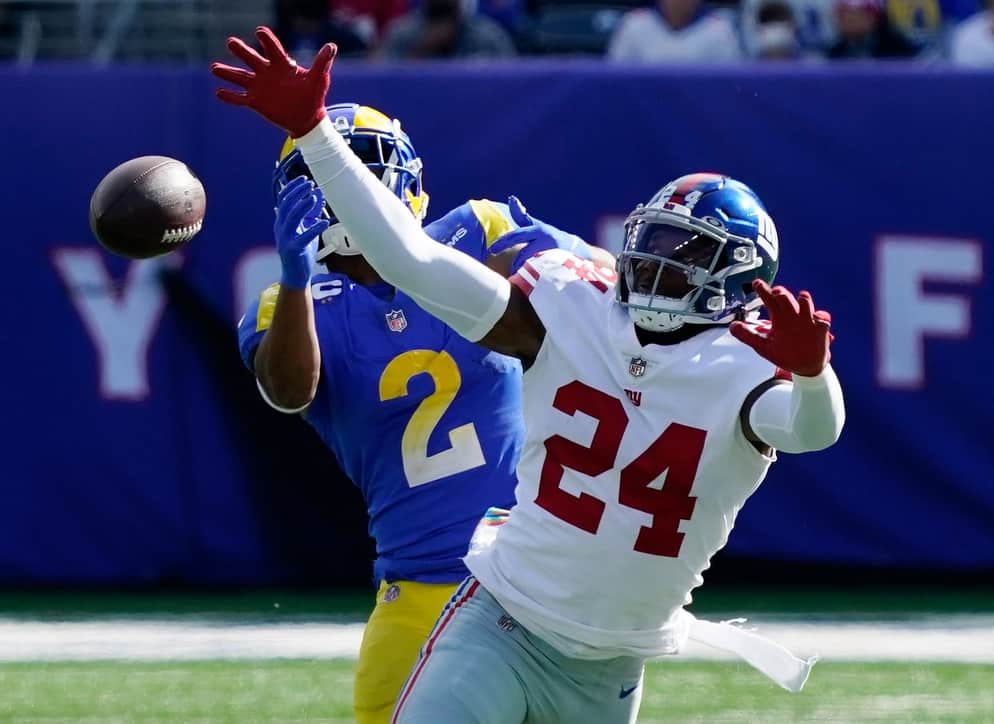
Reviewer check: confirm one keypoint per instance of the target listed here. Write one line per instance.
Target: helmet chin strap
(335, 240)
(656, 321)
(664, 320)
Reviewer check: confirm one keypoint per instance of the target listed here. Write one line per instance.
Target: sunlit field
(95, 658)
(320, 691)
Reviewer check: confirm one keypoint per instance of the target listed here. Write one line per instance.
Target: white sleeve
(804, 416)
(446, 283)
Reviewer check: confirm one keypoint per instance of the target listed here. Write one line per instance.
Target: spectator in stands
(973, 41)
(675, 31)
(772, 33)
(918, 21)
(303, 26)
(864, 32)
(815, 24)
(446, 29)
(813, 21)
(370, 18)
(924, 23)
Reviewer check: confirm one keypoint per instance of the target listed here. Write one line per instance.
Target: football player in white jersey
(654, 406)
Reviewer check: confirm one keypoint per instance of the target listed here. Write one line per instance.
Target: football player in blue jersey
(425, 423)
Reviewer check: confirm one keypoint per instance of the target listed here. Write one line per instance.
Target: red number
(583, 511)
(600, 278)
(677, 453)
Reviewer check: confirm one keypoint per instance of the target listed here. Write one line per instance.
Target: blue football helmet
(382, 146)
(692, 253)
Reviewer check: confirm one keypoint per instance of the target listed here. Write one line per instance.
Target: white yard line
(948, 638)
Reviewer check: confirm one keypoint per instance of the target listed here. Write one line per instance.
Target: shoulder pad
(455, 226)
(558, 267)
(267, 305)
(323, 288)
(483, 220)
(493, 217)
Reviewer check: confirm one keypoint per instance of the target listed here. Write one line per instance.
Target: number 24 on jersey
(676, 452)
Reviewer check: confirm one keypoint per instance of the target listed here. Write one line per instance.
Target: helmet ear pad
(335, 240)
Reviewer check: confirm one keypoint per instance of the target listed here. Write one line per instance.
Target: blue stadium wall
(135, 450)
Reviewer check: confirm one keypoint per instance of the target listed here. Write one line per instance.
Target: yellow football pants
(404, 615)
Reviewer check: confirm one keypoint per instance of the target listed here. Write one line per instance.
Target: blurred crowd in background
(624, 31)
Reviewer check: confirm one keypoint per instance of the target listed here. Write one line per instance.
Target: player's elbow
(286, 386)
(293, 396)
(819, 411)
(835, 432)
(823, 439)
(828, 429)
(821, 434)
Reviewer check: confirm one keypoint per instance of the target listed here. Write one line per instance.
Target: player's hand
(297, 227)
(537, 236)
(797, 338)
(275, 87)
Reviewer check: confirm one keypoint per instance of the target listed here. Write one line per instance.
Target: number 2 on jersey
(676, 452)
(464, 452)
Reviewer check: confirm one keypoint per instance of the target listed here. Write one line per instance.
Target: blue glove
(536, 236)
(297, 227)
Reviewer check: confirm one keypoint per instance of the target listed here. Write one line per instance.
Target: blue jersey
(426, 423)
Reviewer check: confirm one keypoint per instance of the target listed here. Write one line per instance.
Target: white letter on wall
(121, 319)
(906, 314)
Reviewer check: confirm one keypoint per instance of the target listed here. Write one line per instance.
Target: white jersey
(633, 471)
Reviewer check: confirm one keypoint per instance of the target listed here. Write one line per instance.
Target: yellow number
(464, 452)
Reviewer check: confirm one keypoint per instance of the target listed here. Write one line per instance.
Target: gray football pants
(479, 666)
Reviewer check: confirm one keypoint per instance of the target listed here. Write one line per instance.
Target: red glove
(276, 88)
(797, 337)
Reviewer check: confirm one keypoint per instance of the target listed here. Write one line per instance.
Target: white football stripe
(962, 638)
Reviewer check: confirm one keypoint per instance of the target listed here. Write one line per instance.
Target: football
(147, 207)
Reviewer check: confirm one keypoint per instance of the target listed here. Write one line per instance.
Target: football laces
(181, 234)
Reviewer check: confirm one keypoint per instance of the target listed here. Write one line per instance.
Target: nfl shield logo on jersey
(396, 320)
(636, 367)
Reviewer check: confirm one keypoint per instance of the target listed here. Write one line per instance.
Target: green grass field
(320, 691)
(288, 690)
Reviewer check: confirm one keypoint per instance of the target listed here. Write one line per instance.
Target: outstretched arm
(807, 413)
(459, 290)
(475, 301)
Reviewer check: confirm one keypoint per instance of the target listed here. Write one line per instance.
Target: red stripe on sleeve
(523, 284)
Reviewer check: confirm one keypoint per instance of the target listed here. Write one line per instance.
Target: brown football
(147, 207)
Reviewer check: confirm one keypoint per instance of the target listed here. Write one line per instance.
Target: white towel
(761, 653)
